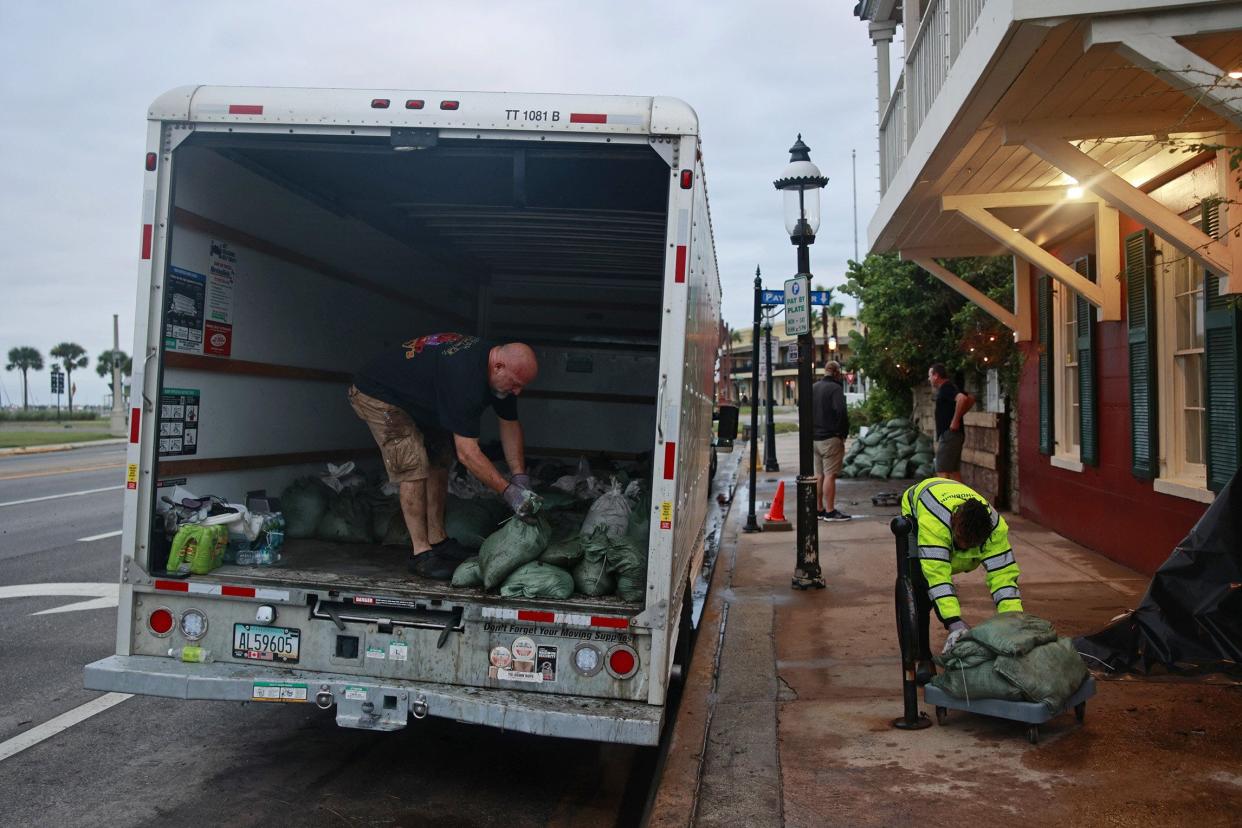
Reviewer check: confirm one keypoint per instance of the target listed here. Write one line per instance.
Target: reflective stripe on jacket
(931, 504)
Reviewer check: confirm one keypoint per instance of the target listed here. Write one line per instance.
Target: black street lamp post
(769, 436)
(801, 182)
(752, 524)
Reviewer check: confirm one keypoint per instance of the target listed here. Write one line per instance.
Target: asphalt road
(148, 761)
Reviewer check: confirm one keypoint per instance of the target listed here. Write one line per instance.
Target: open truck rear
(290, 234)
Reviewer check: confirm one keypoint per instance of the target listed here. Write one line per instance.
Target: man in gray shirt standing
(832, 426)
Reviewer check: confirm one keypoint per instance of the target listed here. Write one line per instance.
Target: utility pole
(117, 425)
(854, 179)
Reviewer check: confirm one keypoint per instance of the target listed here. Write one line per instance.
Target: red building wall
(1104, 507)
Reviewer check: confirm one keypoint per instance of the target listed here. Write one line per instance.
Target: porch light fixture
(1236, 74)
(1074, 192)
(801, 182)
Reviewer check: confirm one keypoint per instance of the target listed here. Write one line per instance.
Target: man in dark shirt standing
(423, 403)
(951, 407)
(832, 426)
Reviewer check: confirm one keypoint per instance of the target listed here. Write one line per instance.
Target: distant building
(785, 375)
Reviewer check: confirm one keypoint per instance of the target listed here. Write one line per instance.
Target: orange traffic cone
(775, 519)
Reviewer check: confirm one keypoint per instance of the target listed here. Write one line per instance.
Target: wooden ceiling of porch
(1090, 95)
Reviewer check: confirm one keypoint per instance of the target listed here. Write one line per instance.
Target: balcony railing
(945, 28)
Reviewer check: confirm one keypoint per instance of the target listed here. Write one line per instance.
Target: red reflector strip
(135, 416)
(670, 460)
(173, 586)
(610, 623)
(151, 159)
(414, 104)
(687, 179)
(449, 104)
(537, 615)
(240, 592)
(680, 276)
(245, 109)
(379, 103)
(148, 231)
(587, 118)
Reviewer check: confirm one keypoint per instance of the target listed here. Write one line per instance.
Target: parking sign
(798, 306)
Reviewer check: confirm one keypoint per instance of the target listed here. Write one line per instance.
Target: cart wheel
(1080, 711)
(942, 715)
(1032, 734)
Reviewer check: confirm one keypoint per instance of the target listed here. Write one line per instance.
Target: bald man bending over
(423, 403)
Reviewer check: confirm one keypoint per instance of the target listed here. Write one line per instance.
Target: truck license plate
(261, 643)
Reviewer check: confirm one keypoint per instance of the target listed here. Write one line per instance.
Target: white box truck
(290, 234)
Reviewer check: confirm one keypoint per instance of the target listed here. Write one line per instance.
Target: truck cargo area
(307, 255)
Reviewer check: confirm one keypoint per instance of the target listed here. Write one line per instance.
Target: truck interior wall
(318, 289)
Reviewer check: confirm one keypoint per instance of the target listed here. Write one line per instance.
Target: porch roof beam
(992, 308)
(1020, 245)
(1147, 42)
(1115, 125)
(1130, 200)
(1019, 198)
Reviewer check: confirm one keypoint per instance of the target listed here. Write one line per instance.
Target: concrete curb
(116, 441)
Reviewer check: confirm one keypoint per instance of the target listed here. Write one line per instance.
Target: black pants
(923, 609)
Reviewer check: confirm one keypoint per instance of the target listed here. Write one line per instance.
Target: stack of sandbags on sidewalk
(1012, 656)
(892, 450)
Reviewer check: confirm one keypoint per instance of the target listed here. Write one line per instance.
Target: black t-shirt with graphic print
(440, 380)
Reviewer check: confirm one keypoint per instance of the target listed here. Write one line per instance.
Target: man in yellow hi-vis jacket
(956, 531)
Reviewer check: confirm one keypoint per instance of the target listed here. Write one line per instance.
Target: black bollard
(907, 629)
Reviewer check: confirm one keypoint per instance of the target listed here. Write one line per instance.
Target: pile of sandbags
(892, 450)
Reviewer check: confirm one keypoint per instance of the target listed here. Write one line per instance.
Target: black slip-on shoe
(453, 550)
(434, 565)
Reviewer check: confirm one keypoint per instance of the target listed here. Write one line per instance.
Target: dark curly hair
(971, 522)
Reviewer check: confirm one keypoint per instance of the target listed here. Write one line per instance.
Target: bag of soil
(468, 522)
(627, 559)
(303, 502)
(610, 512)
(564, 553)
(347, 519)
(538, 580)
(513, 544)
(468, 573)
(593, 578)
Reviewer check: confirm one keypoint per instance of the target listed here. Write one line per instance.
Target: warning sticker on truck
(185, 297)
(131, 476)
(278, 691)
(178, 426)
(666, 515)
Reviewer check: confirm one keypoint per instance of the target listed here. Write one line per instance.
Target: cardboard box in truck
(290, 234)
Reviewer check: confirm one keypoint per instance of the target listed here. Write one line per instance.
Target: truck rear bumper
(383, 705)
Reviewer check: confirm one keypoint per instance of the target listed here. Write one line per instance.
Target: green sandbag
(873, 438)
(303, 503)
(905, 450)
(468, 522)
(884, 454)
(880, 470)
(347, 519)
(513, 544)
(981, 682)
(468, 573)
(564, 553)
(1048, 674)
(593, 578)
(385, 510)
(922, 457)
(538, 580)
(900, 470)
(628, 561)
(925, 471)
(1013, 633)
(899, 422)
(565, 524)
(556, 499)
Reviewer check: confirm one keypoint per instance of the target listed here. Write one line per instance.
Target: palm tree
(103, 367)
(72, 356)
(24, 359)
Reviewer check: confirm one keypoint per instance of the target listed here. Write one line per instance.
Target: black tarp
(1190, 620)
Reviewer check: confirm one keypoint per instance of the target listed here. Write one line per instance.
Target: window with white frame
(1179, 360)
(1065, 333)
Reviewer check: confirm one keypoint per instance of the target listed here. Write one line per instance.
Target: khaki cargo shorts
(829, 456)
(408, 453)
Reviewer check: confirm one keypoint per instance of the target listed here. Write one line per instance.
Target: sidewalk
(786, 712)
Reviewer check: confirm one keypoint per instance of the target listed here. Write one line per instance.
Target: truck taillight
(414, 103)
(687, 179)
(379, 103)
(449, 104)
(151, 159)
(161, 621)
(622, 661)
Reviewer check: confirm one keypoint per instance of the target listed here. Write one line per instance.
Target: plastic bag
(510, 546)
(197, 549)
(611, 512)
(468, 573)
(304, 502)
(342, 477)
(538, 580)
(582, 484)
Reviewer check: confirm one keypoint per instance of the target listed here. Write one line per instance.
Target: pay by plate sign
(798, 306)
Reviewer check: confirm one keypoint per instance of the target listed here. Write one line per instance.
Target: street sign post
(58, 388)
(798, 306)
(819, 298)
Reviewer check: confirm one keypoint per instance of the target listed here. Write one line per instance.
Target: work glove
(956, 630)
(522, 501)
(522, 480)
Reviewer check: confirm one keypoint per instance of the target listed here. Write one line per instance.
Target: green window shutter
(1044, 304)
(1222, 361)
(1089, 446)
(1141, 329)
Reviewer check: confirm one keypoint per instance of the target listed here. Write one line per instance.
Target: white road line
(59, 724)
(66, 494)
(99, 537)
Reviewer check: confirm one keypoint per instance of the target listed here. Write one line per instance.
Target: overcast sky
(76, 79)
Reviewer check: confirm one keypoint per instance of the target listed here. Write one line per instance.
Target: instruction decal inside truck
(218, 325)
(184, 301)
(178, 421)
